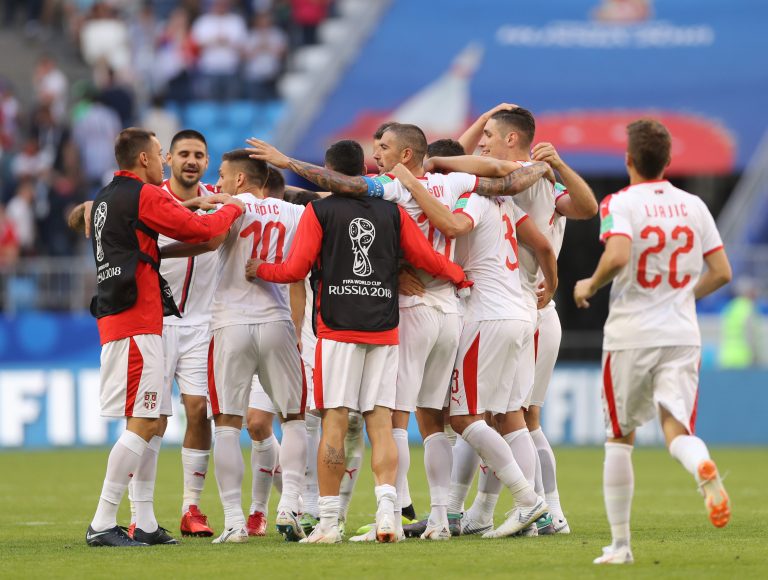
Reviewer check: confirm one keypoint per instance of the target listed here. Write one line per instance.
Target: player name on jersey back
(265, 231)
(652, 303)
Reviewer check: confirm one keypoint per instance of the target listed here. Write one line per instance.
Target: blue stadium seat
(203, 116)
(240, 114)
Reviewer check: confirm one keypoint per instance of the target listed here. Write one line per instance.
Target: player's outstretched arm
(529, 235)
(325, 178)
(471, 137)
(474, 164)
(519, 180)
(450, 224)
(618, 250)
(718, 274)
(182, 250)
(580, 203)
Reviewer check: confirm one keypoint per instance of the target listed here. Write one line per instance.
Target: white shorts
(132, 377)
(186, 361)
(309, 379)
(429, 339)
(546, 341)
(356, 376)
(258, 399)
(238, 352)
(638, 381)
(484, 374)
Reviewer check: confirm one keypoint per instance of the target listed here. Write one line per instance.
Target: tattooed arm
(517, 181)
(326, 178)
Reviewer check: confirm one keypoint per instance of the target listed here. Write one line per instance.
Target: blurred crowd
(56, 144)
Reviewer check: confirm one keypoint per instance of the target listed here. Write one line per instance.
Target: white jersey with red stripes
(652, 302)
(192, 280)
(539, 202)
(264, 231)
(488, 255)
(446, 188)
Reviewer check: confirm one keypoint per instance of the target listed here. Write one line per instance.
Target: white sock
(690, 451)
(548, 470)
(121, 465)
(465, 463)
(438, 461)
(310, 493)
(329, 511)
(354, 448)
(277, 473)
(488, 490)
(403, 464)
(524, 452)
(194, 463)
(451, 434)
(293, 461)
(618, 487)
(497, 454)
(229, 468)
(144, 486)
(264, 458)
(386, 496)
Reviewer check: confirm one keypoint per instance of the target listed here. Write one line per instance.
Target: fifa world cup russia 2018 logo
(362, 234)
(99, 219)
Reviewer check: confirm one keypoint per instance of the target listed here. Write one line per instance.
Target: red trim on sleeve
(713, 250)
(462, 212)
(562, 194)
(604, 237)
(521, 220)
(609, 398)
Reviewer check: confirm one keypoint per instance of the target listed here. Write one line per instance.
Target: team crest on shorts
(150, 400)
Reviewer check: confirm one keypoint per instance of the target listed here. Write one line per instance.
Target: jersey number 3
(262, 239)
(661, 242)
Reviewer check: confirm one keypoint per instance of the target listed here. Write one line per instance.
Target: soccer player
(253, 333)
(128, 214)
(657, 240)
(356, 355)
(505, 144)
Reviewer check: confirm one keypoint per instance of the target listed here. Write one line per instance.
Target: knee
(259, 430)
(160, 426)
(461, 422)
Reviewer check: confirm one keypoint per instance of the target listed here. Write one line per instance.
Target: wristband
(375, 187)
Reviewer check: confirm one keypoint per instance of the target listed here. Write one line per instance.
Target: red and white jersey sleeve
(652, 302)
(192, 280)
(265, 231)
(539, 202)
(488, 255)
(447, 188)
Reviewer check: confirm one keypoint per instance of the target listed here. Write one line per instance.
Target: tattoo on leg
(333, 456)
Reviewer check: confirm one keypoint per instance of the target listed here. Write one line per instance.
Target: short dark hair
(346, 156)
(445, 148)
(519, 120)
(410, 136)
(301, 197)
(382, 129)
(275, 184)
(649, 144)
(187, 134)
(255, 169)
(129, 143)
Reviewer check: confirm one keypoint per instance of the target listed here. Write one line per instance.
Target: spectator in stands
(118, 97)
(9, 116)
(175, 58)
(143, 30)
(164, 123)
(49, 133)
(741, 341)
(307, 16)
(263, 54)
(220, 35)
(105, 36)
(34, 164)
(51, 87)
(20, 211)
(66, 191)
(9, 244)
(94, 132)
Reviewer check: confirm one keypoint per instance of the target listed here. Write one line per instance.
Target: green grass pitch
(47, 499)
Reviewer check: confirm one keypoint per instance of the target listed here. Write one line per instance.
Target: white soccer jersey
(652, 302)
(192, 280)
(264, 231)
(488, 255)
(539, 202)
(447, 188)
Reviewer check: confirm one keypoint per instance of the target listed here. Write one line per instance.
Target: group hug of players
(425, 288)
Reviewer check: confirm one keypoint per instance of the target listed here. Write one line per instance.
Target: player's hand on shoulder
(234, 201)
(547, 153)
(409, 283)
(582, 292)
(265, 152)
(250, 269)
(210, 202)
